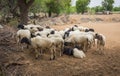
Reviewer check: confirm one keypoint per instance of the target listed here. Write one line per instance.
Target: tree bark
(24, 9)
(23, 15)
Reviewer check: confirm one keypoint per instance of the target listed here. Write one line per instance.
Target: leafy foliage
(116, 8)
(98, 9)
(58, 6)
(108, 4)
(81, 5)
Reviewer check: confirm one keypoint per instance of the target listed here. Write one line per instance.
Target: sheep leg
(41, 52)
(22, 47)
(89, 45)
(62, 48)
(85, 47)
(18, 43)
(102, 47)
(54, 54)
(51, 57)
(27, 46)
(98, 48)
(98, 45)
(93, 42)
(60, 52)
(37, 54)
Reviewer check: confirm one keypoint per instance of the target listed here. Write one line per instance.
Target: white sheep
(61, 32)
(33, 28)
(78, 53)
(89, 35)
(79, 40)
(21, 34)
(59, 43)
(91, 38)
(100, 41)
(56, 35)
(43, 33)
(75, 27)
(42, 44)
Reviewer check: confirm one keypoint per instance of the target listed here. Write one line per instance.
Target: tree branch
(30, 3)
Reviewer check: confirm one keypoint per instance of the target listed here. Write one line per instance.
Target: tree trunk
(23, 15)
(24, 7)
(82, 12)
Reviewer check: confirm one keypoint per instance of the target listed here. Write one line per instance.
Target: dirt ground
(14, 62)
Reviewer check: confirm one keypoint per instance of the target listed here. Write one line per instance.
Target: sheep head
(20, 26)
(25, 40)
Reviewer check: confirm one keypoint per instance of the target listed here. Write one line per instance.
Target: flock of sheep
(74, 41)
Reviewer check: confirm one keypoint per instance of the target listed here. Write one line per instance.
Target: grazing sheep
(43, 33)
(70, 32)
(39, 43)
(61, 32)
(78, 53)
(76, 32)
(81, 28)
(74, 52)
(20, 26)
(78, 40)
(100, 41)
(56, 35)
(90, 29)
(66, 34)
(25, 40)
(75, 27)
(59, 43)
(68, 51)
(33, 28)
(21, 34)
(47, 27)
(91, 39)
(73, 41)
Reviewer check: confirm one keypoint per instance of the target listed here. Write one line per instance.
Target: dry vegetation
(14, 62)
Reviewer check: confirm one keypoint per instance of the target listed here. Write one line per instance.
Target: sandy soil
(14, 62)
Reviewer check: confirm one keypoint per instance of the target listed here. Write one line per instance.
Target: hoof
(36, 57)
(51, 59)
